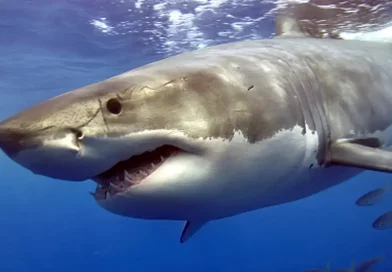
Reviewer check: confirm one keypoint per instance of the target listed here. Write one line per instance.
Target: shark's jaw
(149, 174)
(126, 174)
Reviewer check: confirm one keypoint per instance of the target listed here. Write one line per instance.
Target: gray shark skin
(238, 127)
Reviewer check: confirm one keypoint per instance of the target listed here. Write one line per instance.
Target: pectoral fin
(365, 154)
(190, 229)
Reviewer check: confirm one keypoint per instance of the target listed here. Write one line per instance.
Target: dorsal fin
(329, 18)
(299, 20)
(288, 26)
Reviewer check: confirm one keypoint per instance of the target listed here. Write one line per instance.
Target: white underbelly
(310, 182)
(277, 171)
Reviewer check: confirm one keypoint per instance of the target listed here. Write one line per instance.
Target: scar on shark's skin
(219, 131)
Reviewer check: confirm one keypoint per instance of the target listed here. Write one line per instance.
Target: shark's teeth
(124, 175)
(128, 181)
(128, 178)
(143, 173)
(127, 175)
(116, 188)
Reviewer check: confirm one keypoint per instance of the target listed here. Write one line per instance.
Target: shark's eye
(114, 106)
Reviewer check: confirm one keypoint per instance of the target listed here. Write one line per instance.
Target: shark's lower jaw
(131, 172)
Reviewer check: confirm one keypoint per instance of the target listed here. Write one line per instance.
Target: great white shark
(219, 131)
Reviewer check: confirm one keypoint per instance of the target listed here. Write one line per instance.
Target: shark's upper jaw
(129, 173)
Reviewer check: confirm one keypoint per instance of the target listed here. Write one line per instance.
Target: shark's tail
(381, 257)
(328, 267)
(352, 266)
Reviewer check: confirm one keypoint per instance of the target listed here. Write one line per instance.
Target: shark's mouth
(126, 174)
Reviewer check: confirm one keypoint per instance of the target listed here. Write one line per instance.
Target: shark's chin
(127, 174)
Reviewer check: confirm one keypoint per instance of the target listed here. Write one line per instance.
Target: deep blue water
(49, 47)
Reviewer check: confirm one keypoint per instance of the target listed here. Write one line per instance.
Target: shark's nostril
(79, 135)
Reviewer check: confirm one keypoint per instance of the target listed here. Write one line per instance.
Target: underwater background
(48, 47)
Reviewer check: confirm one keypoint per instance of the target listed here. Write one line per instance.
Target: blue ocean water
(50, 47)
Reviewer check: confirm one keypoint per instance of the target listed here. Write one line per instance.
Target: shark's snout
(17, 137)
(45, 151)
(13, 140)
(47, 138)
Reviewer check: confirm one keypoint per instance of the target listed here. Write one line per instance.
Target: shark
(219, 131)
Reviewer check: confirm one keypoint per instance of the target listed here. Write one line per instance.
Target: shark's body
(272, 108)
(253, 124)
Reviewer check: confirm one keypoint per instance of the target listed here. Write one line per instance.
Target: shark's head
(144, 136)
